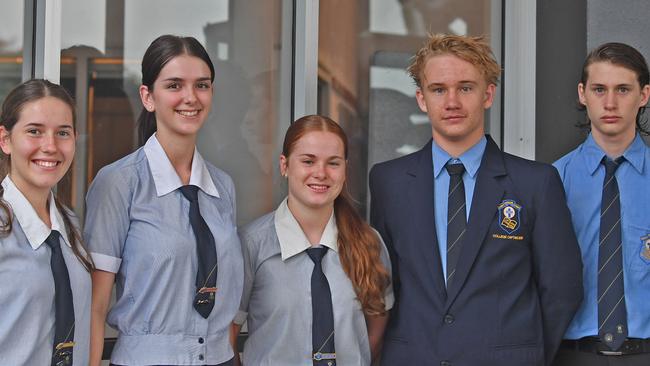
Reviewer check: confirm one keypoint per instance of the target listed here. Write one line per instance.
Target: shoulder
(259, 230)
(526, 169)
(564, 163)
(121, 171)
(395, 168)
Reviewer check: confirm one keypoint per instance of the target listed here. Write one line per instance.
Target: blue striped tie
(456, 217)
(612, 316)
(322, 312)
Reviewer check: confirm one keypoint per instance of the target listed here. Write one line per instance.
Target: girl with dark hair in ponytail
(44, 269)
(316, 276)
(161, 225)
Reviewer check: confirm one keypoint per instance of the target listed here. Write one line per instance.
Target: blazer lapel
(420, 201)
(488, 192)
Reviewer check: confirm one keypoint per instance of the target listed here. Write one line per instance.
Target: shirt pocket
(639, 236)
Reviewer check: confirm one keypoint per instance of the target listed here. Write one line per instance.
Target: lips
(454, 117)
(610, 119)
(47, 164)
(192, 113)
(318, 188)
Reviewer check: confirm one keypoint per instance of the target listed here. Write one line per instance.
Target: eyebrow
(204, 78)
(435, 84)
(40, 124)
(313, 156)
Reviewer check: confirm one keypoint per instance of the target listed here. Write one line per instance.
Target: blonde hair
(474, 50)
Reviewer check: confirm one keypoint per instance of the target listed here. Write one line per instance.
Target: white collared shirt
(27, 286)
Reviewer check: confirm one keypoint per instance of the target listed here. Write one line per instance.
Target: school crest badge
(645, 247)
(509, 218)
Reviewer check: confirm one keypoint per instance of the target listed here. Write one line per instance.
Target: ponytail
(146, 126)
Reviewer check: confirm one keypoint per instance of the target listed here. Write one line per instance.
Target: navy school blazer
(518, 279)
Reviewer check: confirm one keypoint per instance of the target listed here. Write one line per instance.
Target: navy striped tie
(456, 217)
(612, 316)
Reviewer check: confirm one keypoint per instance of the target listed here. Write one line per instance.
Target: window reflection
(11, 46)
(100, 65)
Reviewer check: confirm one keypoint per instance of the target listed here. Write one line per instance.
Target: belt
(630, 346)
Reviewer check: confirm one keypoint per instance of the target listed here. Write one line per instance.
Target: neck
(614, 146)
(456, 148)
(38, 199)
(180, 152)
(311, 221)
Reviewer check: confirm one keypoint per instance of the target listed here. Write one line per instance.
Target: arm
(234, 333)
(102, 287)
(557, 263)
(376, 325)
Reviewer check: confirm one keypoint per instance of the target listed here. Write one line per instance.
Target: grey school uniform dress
(277, 295)
(27, 311)
(137, 226)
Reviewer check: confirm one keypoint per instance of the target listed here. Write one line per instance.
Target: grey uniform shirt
(277, 294)
(137, 226)
(27, 287)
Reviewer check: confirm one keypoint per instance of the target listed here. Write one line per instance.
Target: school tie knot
(191, 192)
(612, 165)
(53, 241)
(455, 168)
(316, 254)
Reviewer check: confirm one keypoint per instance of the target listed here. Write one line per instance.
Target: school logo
(509, 220)
(645, 247)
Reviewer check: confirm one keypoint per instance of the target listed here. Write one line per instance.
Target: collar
(293, 240)
(634, 154)
(164, 176)
(471, 158)
(34, 228)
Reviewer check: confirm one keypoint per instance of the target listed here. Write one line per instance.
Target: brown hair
(359, 245)
(474, 50)
(27, 92)
(619, 54)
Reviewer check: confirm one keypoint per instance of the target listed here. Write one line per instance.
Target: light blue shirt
(137, 226)
(583, 174)
(471, 159)
(27, 313)
(277, 294)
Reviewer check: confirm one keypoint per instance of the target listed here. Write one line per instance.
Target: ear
(581, 94)
(5, 142)
(419, 96)
(645, 95)
(147, 98)
(284, 165)
(489, 96)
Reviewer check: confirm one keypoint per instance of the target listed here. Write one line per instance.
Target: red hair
(359, 245)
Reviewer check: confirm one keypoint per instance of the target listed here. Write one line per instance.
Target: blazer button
(449, 318)
(445, 363)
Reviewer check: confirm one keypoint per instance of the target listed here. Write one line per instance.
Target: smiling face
(455, 95)
(612, 96)
(315, 170)
(41, 145)
(181, 96)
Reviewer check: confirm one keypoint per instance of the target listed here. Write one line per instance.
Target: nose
(451, 100)
(319, 170)
(610, 101)
(49, 143)
(190, 95)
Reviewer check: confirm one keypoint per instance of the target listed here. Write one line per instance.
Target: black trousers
(227, 363)
(569, 357)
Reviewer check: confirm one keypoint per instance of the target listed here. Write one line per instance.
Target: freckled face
(315, 170)
(41, 145)
(455, 95)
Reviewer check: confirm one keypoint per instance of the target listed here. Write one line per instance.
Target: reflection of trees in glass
(10, 68)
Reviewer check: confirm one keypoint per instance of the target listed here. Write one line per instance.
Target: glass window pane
(102, 45)
(11, 46)
(364, 47)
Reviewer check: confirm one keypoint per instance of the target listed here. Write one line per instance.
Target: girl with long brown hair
(317, 284)
(44, 270)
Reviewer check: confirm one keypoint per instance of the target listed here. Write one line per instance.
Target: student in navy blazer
(517, 281)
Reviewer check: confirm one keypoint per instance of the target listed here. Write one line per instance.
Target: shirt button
(449, 318)
(200, 357)
(201, 340)
(445, 363)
